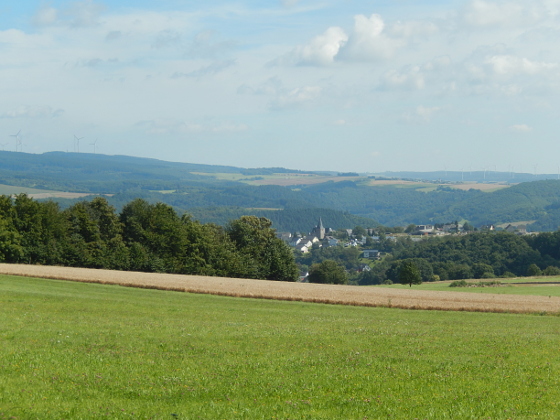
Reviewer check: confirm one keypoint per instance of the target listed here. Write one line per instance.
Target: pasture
(538, 286)
(89, 351)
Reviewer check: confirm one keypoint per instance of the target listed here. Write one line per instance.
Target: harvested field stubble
(264, 289)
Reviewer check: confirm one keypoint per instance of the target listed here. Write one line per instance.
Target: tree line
(142, 237)
(476, 255)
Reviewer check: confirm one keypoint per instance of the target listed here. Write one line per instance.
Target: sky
(343, 85)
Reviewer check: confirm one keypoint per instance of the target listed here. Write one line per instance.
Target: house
(303, 247)
(285, 236)
(519, 229)
(373, 254)
(424, 229)
(450, 228)
(332, 241)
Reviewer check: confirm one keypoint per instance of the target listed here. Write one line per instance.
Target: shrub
(534, 270)
(551, 271)
(458, 283)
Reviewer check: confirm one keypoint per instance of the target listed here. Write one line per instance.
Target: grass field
(38, 193)
(395, 297)
(508, 287)
(89, 351)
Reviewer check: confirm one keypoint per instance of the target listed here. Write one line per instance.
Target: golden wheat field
(263, 289)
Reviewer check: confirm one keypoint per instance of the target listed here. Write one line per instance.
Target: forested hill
(222, 193)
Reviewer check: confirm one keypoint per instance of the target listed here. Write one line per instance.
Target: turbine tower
(93, 144)
(77, 142)
(17, 139)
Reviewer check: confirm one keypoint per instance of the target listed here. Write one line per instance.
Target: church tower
(319, 230)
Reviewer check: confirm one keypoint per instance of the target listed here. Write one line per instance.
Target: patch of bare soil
(263, 289)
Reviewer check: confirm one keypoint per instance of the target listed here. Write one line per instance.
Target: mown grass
(507, 287)
(84, 351)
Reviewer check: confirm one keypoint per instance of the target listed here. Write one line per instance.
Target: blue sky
(344, 85)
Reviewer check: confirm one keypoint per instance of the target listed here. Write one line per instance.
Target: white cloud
(522, 128)
(508, 64)
(296, 97)
(27, 111)
(408, 79)
(368, 40)
(484, 13)
(321, 51)
(411, 29)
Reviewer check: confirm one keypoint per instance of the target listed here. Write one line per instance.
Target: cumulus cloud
(368, 40)
(411, 29)
(321, 51)
(483, 13)
(408, 79)
(509, 64)
(29, 111)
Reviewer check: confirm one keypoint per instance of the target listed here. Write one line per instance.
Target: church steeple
(320, 229)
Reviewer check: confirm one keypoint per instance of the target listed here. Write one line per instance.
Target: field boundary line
(300, 292)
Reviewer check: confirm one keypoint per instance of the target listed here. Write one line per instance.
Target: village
(320, 236)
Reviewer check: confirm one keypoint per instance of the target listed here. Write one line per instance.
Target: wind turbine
(77, 141)
(4, 145)
(16, 136)
(93, 144)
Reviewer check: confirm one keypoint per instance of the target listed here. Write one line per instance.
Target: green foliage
(348, 257)
(409, 274)
(534, 270)
(143, 237)
(327, 272)
(265, 256)
(458, 283)
(551, 271)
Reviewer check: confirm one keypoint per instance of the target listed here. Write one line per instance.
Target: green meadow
(87, 351)
(516, 286)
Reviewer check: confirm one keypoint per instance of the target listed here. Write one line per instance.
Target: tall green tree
(409, 274)
(264, 255)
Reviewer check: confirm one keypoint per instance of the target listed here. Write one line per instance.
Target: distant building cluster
(323, 237)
